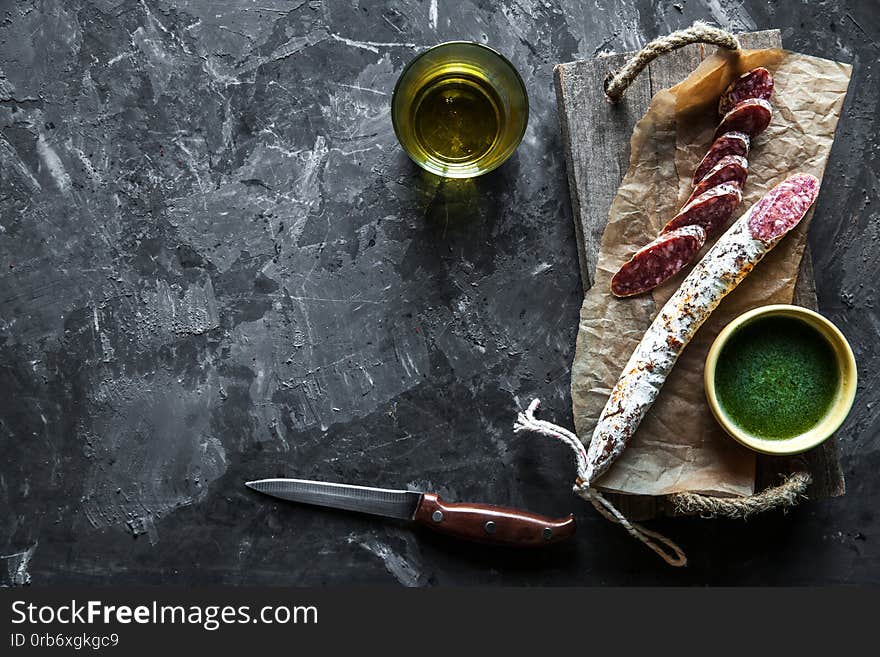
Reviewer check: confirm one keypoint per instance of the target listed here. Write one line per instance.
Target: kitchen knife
(476, 522)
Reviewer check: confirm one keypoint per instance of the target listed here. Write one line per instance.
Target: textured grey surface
(217, 265)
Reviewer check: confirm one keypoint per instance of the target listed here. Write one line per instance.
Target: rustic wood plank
(601, 132)
(597, 135)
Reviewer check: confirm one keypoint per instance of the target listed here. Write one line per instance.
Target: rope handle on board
(784, 495)
(699, 32)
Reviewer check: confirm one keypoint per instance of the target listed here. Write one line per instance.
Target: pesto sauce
(776, 377)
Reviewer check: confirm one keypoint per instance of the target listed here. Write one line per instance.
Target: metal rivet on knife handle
(437, 516)
(489, 527)
(548, 533)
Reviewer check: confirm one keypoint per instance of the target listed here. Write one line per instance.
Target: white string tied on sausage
(526, 421)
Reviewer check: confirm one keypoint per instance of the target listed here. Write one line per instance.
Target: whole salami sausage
(658, 261)
(731, 169)
(710, 210)
(751, 116)
(730, 143)
(732, 257)
(757, 83)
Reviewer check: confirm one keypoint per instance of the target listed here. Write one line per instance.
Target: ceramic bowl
(840, 406)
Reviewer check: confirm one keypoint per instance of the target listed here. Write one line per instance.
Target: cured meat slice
(750, 116)
(727, 263)
(731, 169)
(780, 209)
(658, 261)
(730, 143)
(757, 83)
(710, 210)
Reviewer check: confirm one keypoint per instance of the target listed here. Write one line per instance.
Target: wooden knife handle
(492, 524)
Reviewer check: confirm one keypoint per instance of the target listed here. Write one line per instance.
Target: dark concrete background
(217, 264)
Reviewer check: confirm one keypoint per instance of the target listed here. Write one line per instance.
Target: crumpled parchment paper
(679, 446)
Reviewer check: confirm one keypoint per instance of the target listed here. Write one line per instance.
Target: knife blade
(484, 523)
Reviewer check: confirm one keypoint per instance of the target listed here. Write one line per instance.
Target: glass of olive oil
(459, 109)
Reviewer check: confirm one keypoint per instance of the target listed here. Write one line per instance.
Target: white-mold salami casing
(727, 263)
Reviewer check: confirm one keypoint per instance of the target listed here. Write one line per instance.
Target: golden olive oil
(457, 118)
(459, 109)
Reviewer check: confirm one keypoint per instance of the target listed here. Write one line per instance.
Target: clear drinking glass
(459, 109)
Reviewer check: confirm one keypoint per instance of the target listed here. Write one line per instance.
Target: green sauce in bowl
(776, 377)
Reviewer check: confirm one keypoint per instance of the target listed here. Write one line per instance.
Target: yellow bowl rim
(835, 416)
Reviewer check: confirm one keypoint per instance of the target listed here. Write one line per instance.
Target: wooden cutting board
(596, 136)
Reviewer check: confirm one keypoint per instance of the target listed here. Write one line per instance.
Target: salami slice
(731, 169)
(658, 261)
(710, 210)
(780, 209)
(730, 143)
(751, 116)
(730, 260)
(757, 83)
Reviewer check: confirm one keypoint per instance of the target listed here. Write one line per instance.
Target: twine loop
(664, 547)
(787, 494)
(699, 32)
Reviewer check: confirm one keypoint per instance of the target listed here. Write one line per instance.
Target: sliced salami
(730, 143)
(710, 210)
(658, 261)
(727, 263)
(782, 207)
(757, 83)
(750, 116)
(730, 169)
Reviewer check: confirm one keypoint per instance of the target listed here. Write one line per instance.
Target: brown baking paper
(679, 446)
